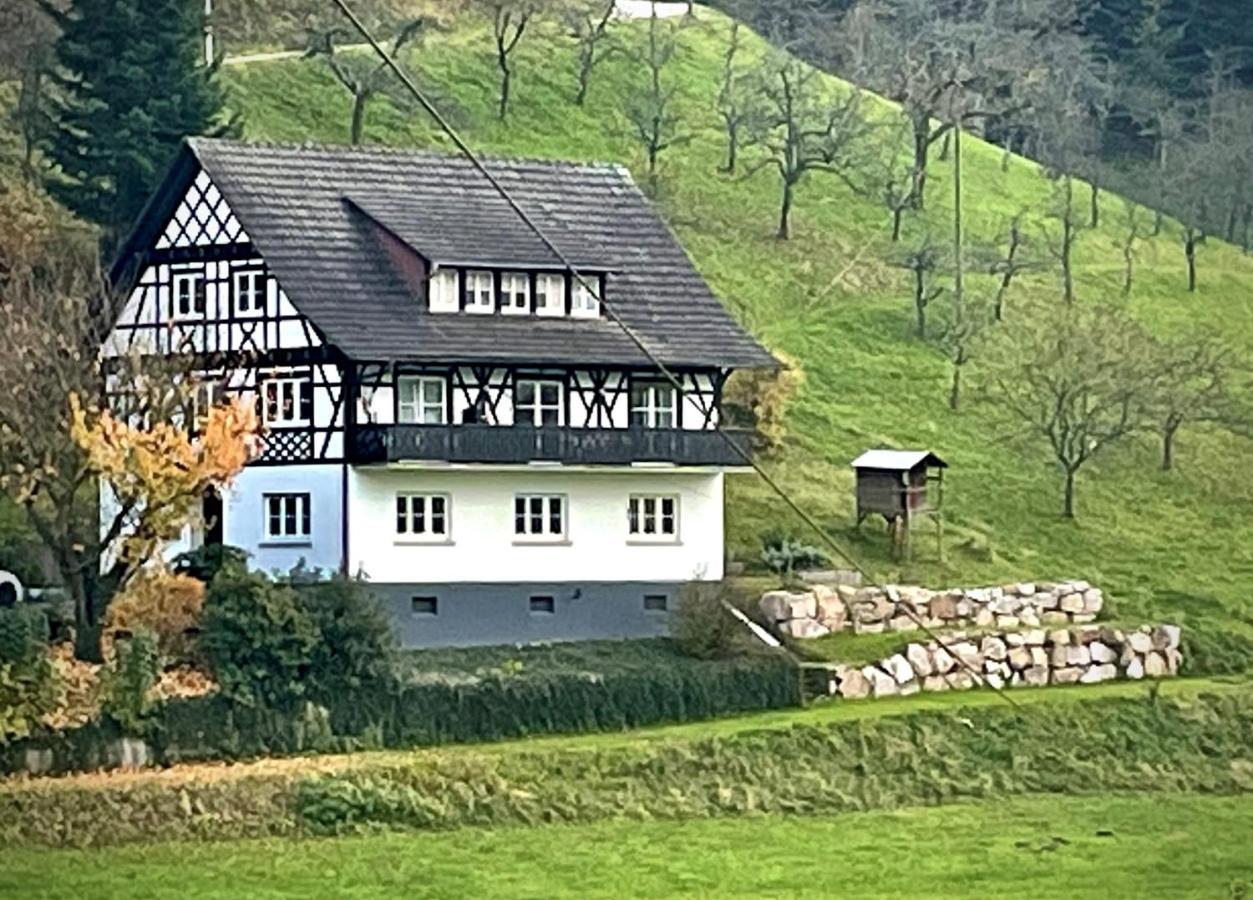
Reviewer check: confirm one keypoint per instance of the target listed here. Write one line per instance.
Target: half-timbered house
(447, 411)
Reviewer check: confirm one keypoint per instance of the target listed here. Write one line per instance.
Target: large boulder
(804, 629)
(1095, 674)
(944, 606)
(1020, 657)
(920, 660)
(1155, 665)
(1101, 653)
(1092, 600)
(1067, 675)
(881, 683)
(779, 606)
(831, 611)
(1036, 676)
(1071, 603)
(1135, 668)
(1166, 637)
(900, 668)
(871, 605)
(1140, 642)
(853, 684)
(992, 647)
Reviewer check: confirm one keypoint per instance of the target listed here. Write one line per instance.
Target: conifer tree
(132, 84)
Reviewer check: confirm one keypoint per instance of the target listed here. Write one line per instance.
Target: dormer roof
(313, 214)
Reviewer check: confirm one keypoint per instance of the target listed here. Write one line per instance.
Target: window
(550, 295)
(539, 516)
(286, 402)
(543, 605)
(208, 395)
(480, 292)
(422, 516)
(421, 400)
(656, 603)
(538, 403)
(189, 296)
(584, 302)
(249, 292)
(653, 517)
(425, 606)
(287, 517)
(652, 405)
(515, 293)
(444, 293)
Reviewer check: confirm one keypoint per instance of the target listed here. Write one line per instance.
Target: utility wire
(825, 536)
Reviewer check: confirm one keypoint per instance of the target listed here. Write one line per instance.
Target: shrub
(204, 563)
(356, 647)
(127, 683)
(765, 395)
(166, 604)
(701, 625)
(257, 638)
(20, 639)
(784, 555)
(28, 692)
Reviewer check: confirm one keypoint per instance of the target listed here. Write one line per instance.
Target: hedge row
(1151, 744)
(443, 709)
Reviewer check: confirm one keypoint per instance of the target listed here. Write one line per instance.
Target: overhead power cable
(827, 539)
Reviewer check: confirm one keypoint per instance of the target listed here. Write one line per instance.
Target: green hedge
(1102, 745)
(637, 684)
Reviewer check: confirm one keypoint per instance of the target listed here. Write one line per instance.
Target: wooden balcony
(373, 444)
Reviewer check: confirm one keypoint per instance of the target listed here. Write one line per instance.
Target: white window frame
(292, 506)
(528, 508)
(414, 506)
(655, 414)
(552, 287)
(256, 292)
(295, 385)
(415, 409)
(583, 304)
(647, 518)
(199, 291)
(537, 409)
(480, 292)
(208, 394)
(515, 286)
(444, 291)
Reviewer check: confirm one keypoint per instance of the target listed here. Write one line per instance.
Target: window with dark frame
(539, 516)
(287, 402)
(422, 516)
(287, 516)
(543, 604)
(656, 603)
(424, 606)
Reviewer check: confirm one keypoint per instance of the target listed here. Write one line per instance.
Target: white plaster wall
(243, 519)
(483, 548)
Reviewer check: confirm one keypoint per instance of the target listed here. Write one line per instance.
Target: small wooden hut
(901, 486)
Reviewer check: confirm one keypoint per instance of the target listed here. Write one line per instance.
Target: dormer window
(444, 291)
(480, 292)
(249, 292)
(515, 293)
(550, 295)
(584, 303)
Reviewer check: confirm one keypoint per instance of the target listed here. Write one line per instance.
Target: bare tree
(27, 36)
(588, 23)
(655, 121)
(924, 260)
(1079, 378)
(509, 20)
(888, 174)
(734, 97)
(1015, 256)
(958, 334)
(360, 75)
(803, 127)
(1195, 385)
(1137, 225)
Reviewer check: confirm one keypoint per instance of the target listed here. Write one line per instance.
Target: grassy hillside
(828, 299)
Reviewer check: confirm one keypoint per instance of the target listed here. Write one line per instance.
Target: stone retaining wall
(1030, 658)
(823, 609)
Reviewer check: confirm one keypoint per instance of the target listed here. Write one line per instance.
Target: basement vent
(543, 605)
(656, 603)
(425, 606)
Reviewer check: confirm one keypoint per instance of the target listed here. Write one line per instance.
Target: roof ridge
(198, 141)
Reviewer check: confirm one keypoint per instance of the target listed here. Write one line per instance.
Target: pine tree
(132, 84)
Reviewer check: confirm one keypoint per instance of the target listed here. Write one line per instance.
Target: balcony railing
(519, 444)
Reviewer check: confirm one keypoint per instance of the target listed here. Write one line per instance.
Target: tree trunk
(359, 100)
(1159, 219)
(944, 147)
(922, 149)
(1068, 240)
(1068, 499)
(1094, 204)
(506, 77)
(920, 302)
(1128, 267)
(955, 388)
(785, 212)
(733, 146)
(897, 213)
(585, 78)
(1169, 430)
(1189, 250)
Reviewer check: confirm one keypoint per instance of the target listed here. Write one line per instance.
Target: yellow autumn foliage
(162, 602)
(767, 394)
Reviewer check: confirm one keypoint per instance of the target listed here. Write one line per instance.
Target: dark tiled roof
(297, 205)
